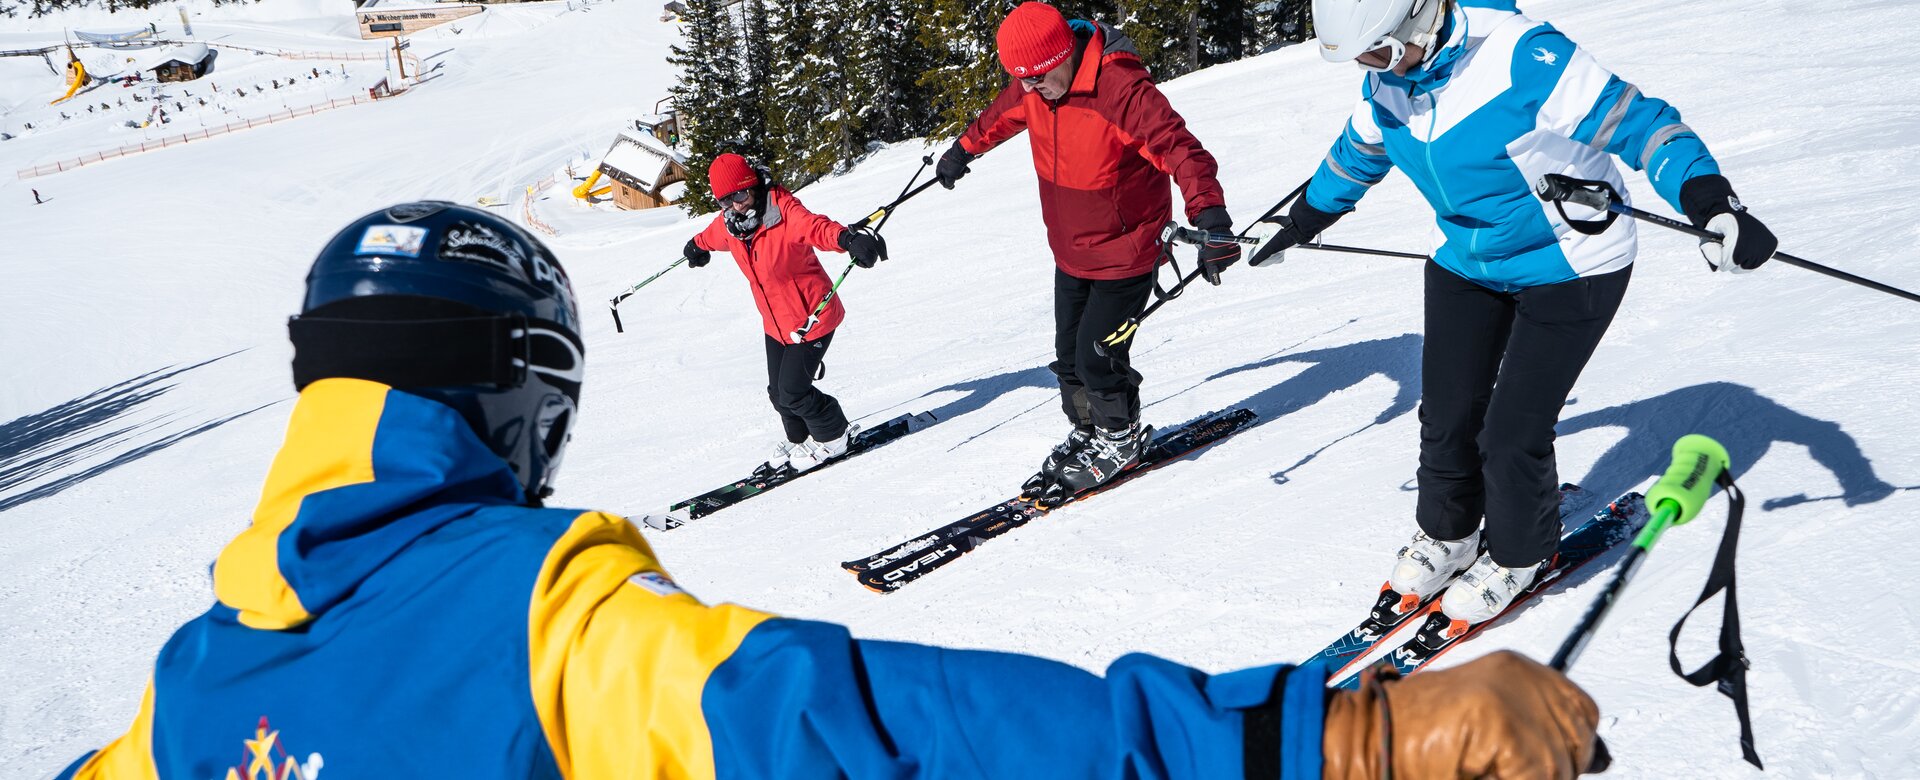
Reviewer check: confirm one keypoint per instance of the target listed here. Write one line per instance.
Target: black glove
(953, 165)
(1215, 258)
(1298, 226)
(1711, 205)
(866, 247)
(695, 256)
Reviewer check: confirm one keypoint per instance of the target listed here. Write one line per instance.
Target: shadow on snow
(45, 443)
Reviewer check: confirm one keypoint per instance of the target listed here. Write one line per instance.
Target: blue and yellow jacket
(395, 611)
(1505, 101)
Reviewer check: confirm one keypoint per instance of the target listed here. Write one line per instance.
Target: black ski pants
(1096, 389)
(804, 410)
(1495, 371)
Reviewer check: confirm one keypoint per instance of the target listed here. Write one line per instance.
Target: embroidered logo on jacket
(267, 759)
(1545, 56)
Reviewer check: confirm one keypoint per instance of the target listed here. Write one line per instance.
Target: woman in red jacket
(772, 236)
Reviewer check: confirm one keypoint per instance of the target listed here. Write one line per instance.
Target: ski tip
(870, 586)
(673, 518)
(854, 567)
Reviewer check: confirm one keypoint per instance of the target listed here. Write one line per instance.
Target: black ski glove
(953, 165)
(1298, 226)
(866, 247)
(696, 257)
(1710, 204)
(1215, 258)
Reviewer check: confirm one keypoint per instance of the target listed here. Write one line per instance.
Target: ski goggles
(1382, 55)
(740, 197)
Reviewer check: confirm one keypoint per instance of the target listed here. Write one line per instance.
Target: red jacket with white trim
(781, 268)
(1104, 152)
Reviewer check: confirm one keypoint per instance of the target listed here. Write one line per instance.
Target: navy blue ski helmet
(457, 305)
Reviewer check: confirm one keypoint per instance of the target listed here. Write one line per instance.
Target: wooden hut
(184, 63)
(643, 171)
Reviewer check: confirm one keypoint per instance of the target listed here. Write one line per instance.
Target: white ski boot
(815, 453)
(1427, 565)
(783, 452)
(1486, 590)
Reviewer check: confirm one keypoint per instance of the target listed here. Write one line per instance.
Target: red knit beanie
(1034, 39)
(729, 174)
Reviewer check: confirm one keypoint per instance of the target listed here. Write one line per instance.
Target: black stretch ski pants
(1495, 371)
(803, 409)
(1096, 389)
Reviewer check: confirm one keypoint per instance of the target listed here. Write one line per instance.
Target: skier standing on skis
(1474, 102)
(772, 236)
(403, 606)
(1105, 141)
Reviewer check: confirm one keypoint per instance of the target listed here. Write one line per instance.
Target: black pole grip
(1559, 187)
(617, 327)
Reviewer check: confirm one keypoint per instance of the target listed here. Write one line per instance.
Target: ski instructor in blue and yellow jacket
(403, 606)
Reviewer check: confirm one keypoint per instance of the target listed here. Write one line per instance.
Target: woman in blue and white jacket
(1474, 102)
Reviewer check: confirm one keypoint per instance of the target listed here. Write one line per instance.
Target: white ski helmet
(1347, 29)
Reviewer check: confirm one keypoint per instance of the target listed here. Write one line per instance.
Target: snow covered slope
(143, 329)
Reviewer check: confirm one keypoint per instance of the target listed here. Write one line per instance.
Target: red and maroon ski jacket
(1104, 152)
(781, 268)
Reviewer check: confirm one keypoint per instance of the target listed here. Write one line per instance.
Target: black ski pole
(878, 219)
(1360, 250)
(1168, 235)
(614, 305)
(1600, 196)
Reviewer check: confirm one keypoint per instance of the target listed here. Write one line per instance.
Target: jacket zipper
(753, 265)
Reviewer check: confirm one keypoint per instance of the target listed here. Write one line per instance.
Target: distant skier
(402, 605)
(772, 236)
(36, 198)
(1104, 143)
(1474, 102)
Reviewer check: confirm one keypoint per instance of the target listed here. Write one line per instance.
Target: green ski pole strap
(1729, 668)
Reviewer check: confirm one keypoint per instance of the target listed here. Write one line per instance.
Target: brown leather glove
(1503, 716)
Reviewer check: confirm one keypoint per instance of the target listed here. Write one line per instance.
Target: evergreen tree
(708, 95)
(1166, 33)
(963, 74)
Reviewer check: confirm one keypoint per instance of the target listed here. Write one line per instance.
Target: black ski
(896, 566)
(1391, 609)
(1608, 528)
(765, 478)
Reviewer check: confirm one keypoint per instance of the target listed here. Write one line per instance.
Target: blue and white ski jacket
(1507, 100)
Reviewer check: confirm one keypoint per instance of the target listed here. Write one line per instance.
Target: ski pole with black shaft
(877, 219)
(1168, 235)
(614, 305)
(1677, 498)
(1360, 250)
(1699, 463)
(1601, 196)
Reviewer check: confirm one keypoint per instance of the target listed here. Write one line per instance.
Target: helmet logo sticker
(397, 240)
(408, 212)
(481, 244)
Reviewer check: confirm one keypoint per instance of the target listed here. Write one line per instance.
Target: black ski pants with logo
(1496, 369)
(804, 410)
(1096, 389)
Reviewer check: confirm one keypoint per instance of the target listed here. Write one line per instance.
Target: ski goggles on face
(1387, 52)
(740, 197)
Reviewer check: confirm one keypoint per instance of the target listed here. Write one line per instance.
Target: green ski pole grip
(1697, 464)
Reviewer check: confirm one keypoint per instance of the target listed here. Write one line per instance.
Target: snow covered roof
(642, 158)
(192, 54)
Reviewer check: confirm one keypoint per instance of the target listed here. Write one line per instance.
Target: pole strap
(1729, 668)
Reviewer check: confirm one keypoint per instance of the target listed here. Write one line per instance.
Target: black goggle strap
(416, 353)
(1589, 227)
(1729, 668)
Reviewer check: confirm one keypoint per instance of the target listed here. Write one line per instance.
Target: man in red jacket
(772, 236)
(1104, 143)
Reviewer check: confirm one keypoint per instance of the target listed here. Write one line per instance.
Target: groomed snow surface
(146, 358)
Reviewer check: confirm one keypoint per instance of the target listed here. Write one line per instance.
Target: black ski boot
(1050, 468)
(1105, 455)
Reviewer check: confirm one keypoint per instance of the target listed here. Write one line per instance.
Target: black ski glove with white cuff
(1711, 205)
(1298, 226)
(695, 256)
(866, 247)
(1215, 258)
(952, 165)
